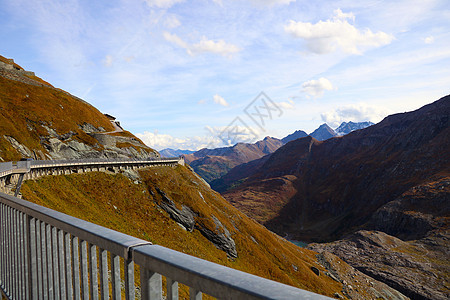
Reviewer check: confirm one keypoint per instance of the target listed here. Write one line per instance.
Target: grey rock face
(185, 216)
(417, 269)
(23, 150)
(65, 147)
(220, 237)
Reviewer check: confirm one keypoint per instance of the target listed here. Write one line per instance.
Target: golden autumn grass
(25, 108)
(113, 201)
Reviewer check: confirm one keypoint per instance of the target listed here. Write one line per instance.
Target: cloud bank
(205, 45)
(316, 88)
(337, 33)
(356, 113)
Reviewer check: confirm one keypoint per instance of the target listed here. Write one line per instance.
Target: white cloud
(357, 113)
(172, 22)
(217, 47)
(160, 141)
(271, 2)
(162, 3)
(289, 104)
(236, 132)
(429, 40)
(219, 100)
(216, 137)
(108, 61)
(204, 46)
(316, 88)
(327, 36)
(175, 39)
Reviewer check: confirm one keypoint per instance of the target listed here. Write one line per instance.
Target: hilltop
(169, 206)
(40, 121)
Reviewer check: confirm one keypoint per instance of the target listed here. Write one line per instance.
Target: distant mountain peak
(347, 127)
(324, 132)
(293, 136)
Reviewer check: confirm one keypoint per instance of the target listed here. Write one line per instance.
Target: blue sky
(182, 74)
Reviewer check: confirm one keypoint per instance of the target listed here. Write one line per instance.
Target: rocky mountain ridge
(213, 164)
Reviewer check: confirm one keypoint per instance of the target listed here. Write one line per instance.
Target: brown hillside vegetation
(38, 120)
(114, 201)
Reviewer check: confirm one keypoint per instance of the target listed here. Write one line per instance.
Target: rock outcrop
(220, 237)
(186, 217)
(418, 269)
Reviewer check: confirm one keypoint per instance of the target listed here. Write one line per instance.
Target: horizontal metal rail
(45, 254)
(25, 166)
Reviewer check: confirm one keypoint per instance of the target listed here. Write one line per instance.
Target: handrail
(45, 253)
(25, 166)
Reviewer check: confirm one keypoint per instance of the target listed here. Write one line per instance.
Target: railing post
(76, 268)
(32, 290)
(84, 271)
(39, 287)
(51, 287)
(194, 294)
(68, 258)
(115, 277)
(2, 246)
(93, 272)
(62, 269)
(55, 262)
(104, 286)
(129, 280)
(151, 285)
(172, 289)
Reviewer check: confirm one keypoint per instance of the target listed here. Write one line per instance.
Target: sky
(207, 73)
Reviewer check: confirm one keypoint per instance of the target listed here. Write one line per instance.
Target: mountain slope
(382, 192)
(407, 245)
(140, 207)
(339, 183)
(40, 121)
(213, 163)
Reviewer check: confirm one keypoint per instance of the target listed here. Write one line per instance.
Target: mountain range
(212, 164)
(169, 152)
(390, 178)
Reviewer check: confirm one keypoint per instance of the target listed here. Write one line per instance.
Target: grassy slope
(24, 107)
(131, 209)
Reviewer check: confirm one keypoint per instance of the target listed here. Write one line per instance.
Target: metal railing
(45, 254)
(21, 166)
(6, 168)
